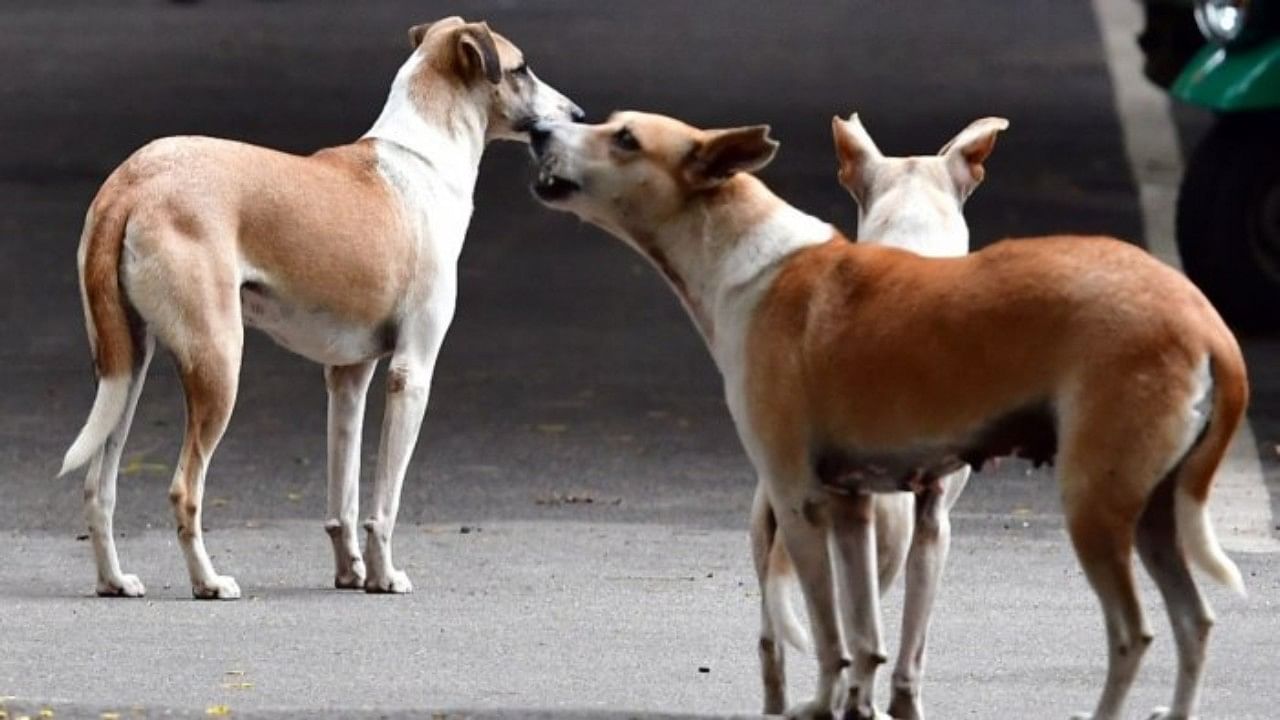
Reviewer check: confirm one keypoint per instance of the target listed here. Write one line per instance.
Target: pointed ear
(968, 150)
(418, 32)
(856, 152)
(478, 53)
(725, 153)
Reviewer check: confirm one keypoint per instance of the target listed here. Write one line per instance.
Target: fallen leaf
(137, 466)
(218, 710)
(551, 428)
(218, 502)
(238, 686)
(294, 496)
(237, 673)
(46, 712)
(110, 716)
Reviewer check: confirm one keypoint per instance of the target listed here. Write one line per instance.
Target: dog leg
(210, 377)
(764, 530)
(1102, 533)
(408, 387)
(853, 520)
(804, 521)
(100, 493)
(348, 387)
(925, 564)
(1189, 614)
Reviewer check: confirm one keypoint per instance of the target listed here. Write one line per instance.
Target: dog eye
(521, 69)
(624, 140)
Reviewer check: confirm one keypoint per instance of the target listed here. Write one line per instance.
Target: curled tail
(111, 333)
(1195, 476)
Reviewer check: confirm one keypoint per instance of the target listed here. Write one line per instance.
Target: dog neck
(719, 253)
(435, 121)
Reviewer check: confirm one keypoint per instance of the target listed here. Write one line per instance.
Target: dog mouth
(550, 187)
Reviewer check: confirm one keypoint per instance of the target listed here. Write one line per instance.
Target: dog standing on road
(913, 203)
(1083, 351)
(344, 257)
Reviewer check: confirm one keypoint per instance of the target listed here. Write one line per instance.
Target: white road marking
(1240, 507)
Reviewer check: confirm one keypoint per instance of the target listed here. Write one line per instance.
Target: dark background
(570, 368)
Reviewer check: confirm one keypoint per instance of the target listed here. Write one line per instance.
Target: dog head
(914, 202)
(492, 70)
(636, 171)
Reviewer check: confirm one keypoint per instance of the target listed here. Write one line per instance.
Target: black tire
(1229, 220)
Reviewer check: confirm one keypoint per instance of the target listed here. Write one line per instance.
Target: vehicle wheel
(1229, 219)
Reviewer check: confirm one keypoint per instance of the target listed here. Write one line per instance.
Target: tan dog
(1086, 351)
(913, 203)
(344, 257)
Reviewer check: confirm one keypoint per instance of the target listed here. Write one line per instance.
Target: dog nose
(539, 134)
(576, 113)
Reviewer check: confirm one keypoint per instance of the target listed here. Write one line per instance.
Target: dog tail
(111, 331)
(777, 574)
(779, 587)
(1195, 476)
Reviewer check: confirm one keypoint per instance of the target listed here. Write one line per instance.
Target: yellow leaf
(294, 496)
(218, 711)
(110, 716)
(46, 712)
(552, 428)
(238, 686)
(238, 673)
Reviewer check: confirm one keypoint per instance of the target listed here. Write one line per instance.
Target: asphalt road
(575, 419)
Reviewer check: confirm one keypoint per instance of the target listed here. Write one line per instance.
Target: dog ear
(419, 32)
(968, 150)
(478, 53)
(856, 152)
(725, 153)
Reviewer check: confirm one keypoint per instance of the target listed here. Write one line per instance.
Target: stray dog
(1083, 351)
(344, 257)
(913, 203)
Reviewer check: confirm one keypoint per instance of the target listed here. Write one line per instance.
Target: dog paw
(812, 710)
(906, 706)
(1164, 713)
(123, 586)
(352, 579)
(220, 587)
(854, 714)
(395, 582)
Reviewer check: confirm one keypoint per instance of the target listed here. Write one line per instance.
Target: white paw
(812, 710)
(353, 578)
(123, 586)
(395, 582)
(1164, 713)
(220, 587)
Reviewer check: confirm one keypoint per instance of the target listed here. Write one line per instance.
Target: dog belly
(313, 334)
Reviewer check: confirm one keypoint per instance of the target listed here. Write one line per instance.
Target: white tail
(1200, 543)
(108, 406)
(779, 580)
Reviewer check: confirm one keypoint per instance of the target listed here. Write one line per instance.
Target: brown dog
(1086, 351)
(344, 257)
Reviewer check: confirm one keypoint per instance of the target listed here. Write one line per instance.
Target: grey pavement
(576, 427)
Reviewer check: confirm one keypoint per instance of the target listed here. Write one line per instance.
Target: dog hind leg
(100, 492)
(1189, 614)
(853, 520)
(764, 535)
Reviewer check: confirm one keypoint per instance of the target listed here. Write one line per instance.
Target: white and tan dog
(1084, 351)
(913, 203)
(344, 257)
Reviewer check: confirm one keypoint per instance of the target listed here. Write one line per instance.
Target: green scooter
(1228, 222)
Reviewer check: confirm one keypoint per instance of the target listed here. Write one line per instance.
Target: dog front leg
(925, 564)
(853, 518)
(348, 386)
(801, 510)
